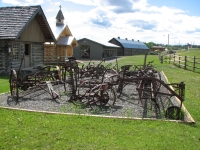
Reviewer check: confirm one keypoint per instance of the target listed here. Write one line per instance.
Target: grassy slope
(45, 131)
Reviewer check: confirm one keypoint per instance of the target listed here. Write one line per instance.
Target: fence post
(194, 66)
(185, 63)
(174, 58)
(179, 58)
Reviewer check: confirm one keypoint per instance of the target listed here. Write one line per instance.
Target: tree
(150, 44)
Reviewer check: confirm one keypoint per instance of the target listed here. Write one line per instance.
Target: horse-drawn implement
(102, 86)
(26, 81)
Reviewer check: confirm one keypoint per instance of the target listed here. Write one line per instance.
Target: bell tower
(60, 18)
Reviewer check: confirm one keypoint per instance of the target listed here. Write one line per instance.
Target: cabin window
(15, 51)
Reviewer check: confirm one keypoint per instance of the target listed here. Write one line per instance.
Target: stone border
(186, 112)
(188, 118)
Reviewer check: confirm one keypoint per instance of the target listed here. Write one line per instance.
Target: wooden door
(27, 57)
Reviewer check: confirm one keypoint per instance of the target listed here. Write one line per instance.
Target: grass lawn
(192, 52)
(4, 84)
(31, 130)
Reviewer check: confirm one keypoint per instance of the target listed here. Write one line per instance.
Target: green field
(32, 130)
(191, 52)
(4, 84)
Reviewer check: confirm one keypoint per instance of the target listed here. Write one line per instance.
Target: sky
(176, 22)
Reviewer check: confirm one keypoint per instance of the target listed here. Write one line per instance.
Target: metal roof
(131, 44)
(66, 40)
(106, 44)
(14, 20)
(60, 15)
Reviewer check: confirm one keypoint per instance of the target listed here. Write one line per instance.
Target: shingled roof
(14, 20)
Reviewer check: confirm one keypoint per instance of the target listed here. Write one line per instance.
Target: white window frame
(15, 51)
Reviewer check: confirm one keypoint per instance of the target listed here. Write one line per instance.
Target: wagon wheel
(174, 113)
(13, 86)
(101, 98)
(80, 97)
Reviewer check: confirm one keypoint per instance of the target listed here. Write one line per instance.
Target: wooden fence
(185, 62)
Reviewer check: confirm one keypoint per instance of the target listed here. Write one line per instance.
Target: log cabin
(23, 32)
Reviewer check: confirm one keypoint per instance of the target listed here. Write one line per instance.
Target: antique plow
(91, 92)
(150, 88)
(23, 84)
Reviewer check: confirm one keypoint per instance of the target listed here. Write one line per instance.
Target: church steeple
(60, 18)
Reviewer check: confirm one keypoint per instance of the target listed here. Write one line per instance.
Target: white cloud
(132, 19)
(140, 22)
(23, 2)
(85, 2)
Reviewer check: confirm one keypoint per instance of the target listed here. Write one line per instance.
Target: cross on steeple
(60, 7)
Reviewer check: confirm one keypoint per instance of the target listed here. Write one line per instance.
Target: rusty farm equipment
(87, 89)
(153, 92)
(26, 81)
(102, 85)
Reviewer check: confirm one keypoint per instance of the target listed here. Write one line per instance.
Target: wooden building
(89, 49)
(23, 32)
(129, 47)
(65, 42)
(157, 48)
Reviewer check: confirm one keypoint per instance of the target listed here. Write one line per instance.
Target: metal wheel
(13, 85)
(174, 113)
(102, 98)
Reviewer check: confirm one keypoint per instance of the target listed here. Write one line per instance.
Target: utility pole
(168, 39)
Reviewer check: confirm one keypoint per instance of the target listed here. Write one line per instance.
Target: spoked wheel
(82, 93)
(101, 98)
(13, 88)
(174, 113)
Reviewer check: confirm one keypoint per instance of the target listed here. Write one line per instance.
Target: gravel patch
(127, 105)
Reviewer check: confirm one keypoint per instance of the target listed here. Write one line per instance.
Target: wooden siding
(33, 33)
(61, 52)
(37, 56)
(15, 64)
(54, 54)
(50, 54)
(96, 50)
(69, 51)
(3, 55)
(7, 62)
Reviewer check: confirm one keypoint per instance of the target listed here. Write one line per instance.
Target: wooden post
(179, 58)
(145, 59)
(194, 66)
(174, 58)
(185, 65)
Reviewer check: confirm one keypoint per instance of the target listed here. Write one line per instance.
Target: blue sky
(144, 20)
